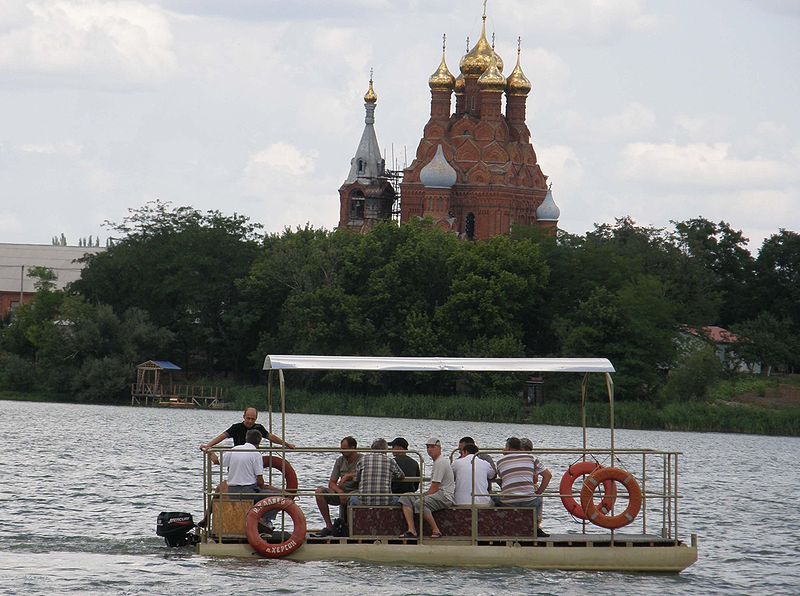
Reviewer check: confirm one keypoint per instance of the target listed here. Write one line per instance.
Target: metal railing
(656, 472)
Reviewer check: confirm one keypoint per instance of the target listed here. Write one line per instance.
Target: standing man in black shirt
(238, 432)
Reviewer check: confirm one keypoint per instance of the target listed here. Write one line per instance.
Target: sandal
(436, 535)
(408, 535)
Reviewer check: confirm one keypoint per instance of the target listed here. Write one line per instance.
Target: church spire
(367, 164)
(442, 79)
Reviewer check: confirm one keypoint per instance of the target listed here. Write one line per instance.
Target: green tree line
(211, 293)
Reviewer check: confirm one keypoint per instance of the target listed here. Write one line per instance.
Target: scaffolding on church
(395, 177)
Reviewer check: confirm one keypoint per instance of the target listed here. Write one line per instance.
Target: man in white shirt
(472, 477)
(439, 494)
(246, 470)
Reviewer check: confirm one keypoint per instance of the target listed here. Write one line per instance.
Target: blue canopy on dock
(160, 364)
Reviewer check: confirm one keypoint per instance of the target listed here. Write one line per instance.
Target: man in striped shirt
(518, 471)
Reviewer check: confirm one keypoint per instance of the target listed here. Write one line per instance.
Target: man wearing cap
(438, 496)
(408, 465)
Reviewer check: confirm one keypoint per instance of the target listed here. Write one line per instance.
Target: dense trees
(180, 266)
(207, 291)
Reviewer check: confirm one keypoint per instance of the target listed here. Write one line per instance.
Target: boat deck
(590, 552)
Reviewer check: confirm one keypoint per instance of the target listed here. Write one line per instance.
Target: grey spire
(367, 165)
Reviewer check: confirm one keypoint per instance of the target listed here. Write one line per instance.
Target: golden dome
(518, 83)
(442, 79)
(479, 58)
(492, 79)
(370, 96)
(460, 84)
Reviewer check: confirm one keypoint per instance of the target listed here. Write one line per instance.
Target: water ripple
(79, 515)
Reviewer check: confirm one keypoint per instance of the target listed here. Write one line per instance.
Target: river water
(83, 486)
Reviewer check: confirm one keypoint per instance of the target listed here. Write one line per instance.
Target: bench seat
(386, 521)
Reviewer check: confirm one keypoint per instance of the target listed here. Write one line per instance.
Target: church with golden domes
(475, 172)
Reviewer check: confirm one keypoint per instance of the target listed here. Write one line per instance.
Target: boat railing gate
(656, 472)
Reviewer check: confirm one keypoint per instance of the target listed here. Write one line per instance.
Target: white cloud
(563, 168)
(591, 21)
(9, 223)
(275, 166)
(548, 72)
(699, 128)
(96, 178)
(68, 148)
(703, 165)
(781, 7)
(634, 119)
(121, 38)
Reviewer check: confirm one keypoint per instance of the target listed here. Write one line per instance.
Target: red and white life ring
(611, 522)
(284, 467)
(574, 472)
(281, 549)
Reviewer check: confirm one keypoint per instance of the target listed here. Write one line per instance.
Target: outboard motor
(176, 528)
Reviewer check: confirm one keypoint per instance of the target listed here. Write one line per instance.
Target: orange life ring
(574, 472)
(281, 549)
(611, 522)
(284, 467)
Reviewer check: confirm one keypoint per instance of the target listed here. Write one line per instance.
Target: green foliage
(181, 267)
(768, 341)
(696, 372)
(728, 389)
(16, 373)
(721, 254)
(208, 292)
(44, 276)
(503, 407)
(63, 345)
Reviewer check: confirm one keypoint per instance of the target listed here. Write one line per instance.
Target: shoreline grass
(713, 416)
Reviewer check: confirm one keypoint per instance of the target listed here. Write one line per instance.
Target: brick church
(475, 171)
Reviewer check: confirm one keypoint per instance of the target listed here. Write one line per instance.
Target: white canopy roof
(577, 365)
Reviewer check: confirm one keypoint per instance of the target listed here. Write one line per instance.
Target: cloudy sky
(658, 109)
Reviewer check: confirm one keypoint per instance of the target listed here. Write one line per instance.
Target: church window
(469, 227)
(357, 206)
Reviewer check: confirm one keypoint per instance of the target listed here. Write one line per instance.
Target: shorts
(332, 498)
(433, 502)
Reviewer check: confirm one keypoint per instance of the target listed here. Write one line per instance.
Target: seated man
(374, 474)
(246, 471)
(484, 456)
(341, 482)
(472, 475)
(408, 465)
(438, 496)
(518, 472)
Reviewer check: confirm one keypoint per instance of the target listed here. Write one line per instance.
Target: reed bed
(676, 416)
